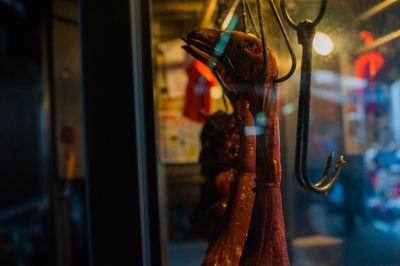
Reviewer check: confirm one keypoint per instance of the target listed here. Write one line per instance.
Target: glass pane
(202, 130)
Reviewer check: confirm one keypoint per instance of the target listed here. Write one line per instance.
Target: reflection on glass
(354, 111)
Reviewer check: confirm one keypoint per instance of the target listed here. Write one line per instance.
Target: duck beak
(201, 44)
(238, 53)
(201, 50)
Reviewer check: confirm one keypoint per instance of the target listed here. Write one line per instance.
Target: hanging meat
(220, 142)
(247, 70)
(254, 95)
(224, 212)
(227, 248)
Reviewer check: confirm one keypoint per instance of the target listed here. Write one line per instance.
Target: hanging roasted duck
(220, 143)
(245, 54)
(247, 70)
(228, 245)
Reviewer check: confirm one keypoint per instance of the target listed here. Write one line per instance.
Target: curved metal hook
(301, 155)
(305, 33)
(245, 7)
(216, 54)
(289, 20)
(287, 42)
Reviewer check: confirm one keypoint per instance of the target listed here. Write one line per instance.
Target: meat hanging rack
(247, 71)
(305, 33)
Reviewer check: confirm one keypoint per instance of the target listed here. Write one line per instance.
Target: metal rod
(263, 39)
(253, 22)
(208, 13)
(229, 16)
(374, 10)
(244, 16)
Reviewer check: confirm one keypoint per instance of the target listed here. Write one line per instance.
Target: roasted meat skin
(265, 243)
(227, 249)
(220, 141)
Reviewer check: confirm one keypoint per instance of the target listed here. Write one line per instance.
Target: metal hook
(216, 54)
(295, 26)
(244, 16)
(263, 39)
(245, 7)
(287, 42)
(305, 33)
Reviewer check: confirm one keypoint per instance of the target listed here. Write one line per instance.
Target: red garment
(197, 98)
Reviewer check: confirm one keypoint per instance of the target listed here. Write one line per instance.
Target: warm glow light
(216, 92)
(322, 43)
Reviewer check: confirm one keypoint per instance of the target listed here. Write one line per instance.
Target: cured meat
(266, 243)
(240, 66)
(220, 146)
(227, 249)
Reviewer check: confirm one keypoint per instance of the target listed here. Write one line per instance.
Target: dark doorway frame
(119, 133)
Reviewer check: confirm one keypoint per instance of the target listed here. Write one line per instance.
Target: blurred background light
(216, 92)
(322, 43)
